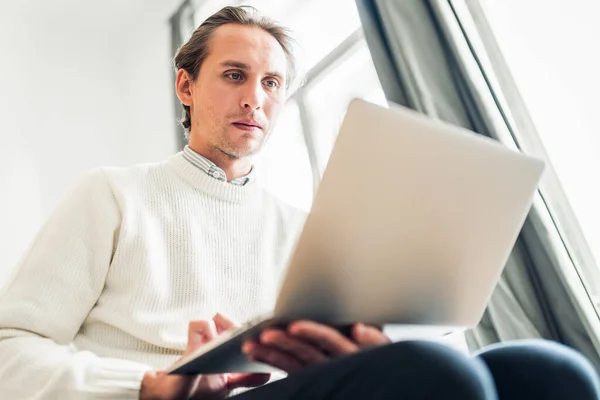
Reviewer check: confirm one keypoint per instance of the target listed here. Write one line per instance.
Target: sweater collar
(212, 169)
(209, 185)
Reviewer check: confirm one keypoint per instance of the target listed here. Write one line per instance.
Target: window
(328, 95)
(551, 53)
(291, 180)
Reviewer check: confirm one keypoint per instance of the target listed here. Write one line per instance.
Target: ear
(183, 87)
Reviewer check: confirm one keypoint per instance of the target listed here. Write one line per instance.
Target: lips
(247, 124)
(246, 128)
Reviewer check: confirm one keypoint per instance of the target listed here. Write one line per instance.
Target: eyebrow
(241, 65)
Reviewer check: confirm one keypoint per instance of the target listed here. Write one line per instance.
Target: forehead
(249, 45)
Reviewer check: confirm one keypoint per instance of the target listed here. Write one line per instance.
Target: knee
(441, 369)
(542, 363)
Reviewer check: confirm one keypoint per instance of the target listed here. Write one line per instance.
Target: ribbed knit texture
(133, 254)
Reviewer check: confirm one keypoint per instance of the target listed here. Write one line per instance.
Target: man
(101, 303)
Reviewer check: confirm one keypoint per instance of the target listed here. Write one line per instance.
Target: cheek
(208, 110)
(207, 92)
(224, 103)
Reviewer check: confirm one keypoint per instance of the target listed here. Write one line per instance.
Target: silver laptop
(412, 224)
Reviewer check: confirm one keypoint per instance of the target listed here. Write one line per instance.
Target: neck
(233, 167)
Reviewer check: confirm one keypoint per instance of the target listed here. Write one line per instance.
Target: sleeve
(49, 295)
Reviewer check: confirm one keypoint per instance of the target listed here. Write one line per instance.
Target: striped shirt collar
(211, 168)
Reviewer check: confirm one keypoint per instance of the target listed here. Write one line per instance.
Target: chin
(240, 152)
(247, 148)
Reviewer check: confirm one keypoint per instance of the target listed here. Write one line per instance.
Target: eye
(272, 83)
(236, 76)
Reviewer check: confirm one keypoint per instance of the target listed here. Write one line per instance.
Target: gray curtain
(419, 66)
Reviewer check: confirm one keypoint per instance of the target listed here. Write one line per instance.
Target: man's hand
(157, 385)
(305, 343)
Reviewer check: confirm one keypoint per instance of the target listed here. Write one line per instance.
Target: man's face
(239, 91)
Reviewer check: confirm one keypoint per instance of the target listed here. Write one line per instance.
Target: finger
(269, 355)
(180, 386)
(368, 336)
(303, 351)
(223, 323)
(235, 381)
(199, 333)
(210, 386)
(325, 337)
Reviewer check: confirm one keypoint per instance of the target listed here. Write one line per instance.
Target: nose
(253, 96)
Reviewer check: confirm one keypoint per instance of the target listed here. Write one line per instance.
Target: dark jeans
(531, 370)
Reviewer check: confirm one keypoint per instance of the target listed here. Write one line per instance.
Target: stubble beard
(233, 150)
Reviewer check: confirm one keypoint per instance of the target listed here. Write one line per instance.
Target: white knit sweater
(110, 283)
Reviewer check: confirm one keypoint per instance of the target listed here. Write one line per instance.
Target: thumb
(223, 322)
(366, 335)
(199, 333)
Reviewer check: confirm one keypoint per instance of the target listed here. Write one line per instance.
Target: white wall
(82, 84)
(150, 86)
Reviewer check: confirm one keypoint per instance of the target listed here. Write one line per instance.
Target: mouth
(247, 125)
(247, 128)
